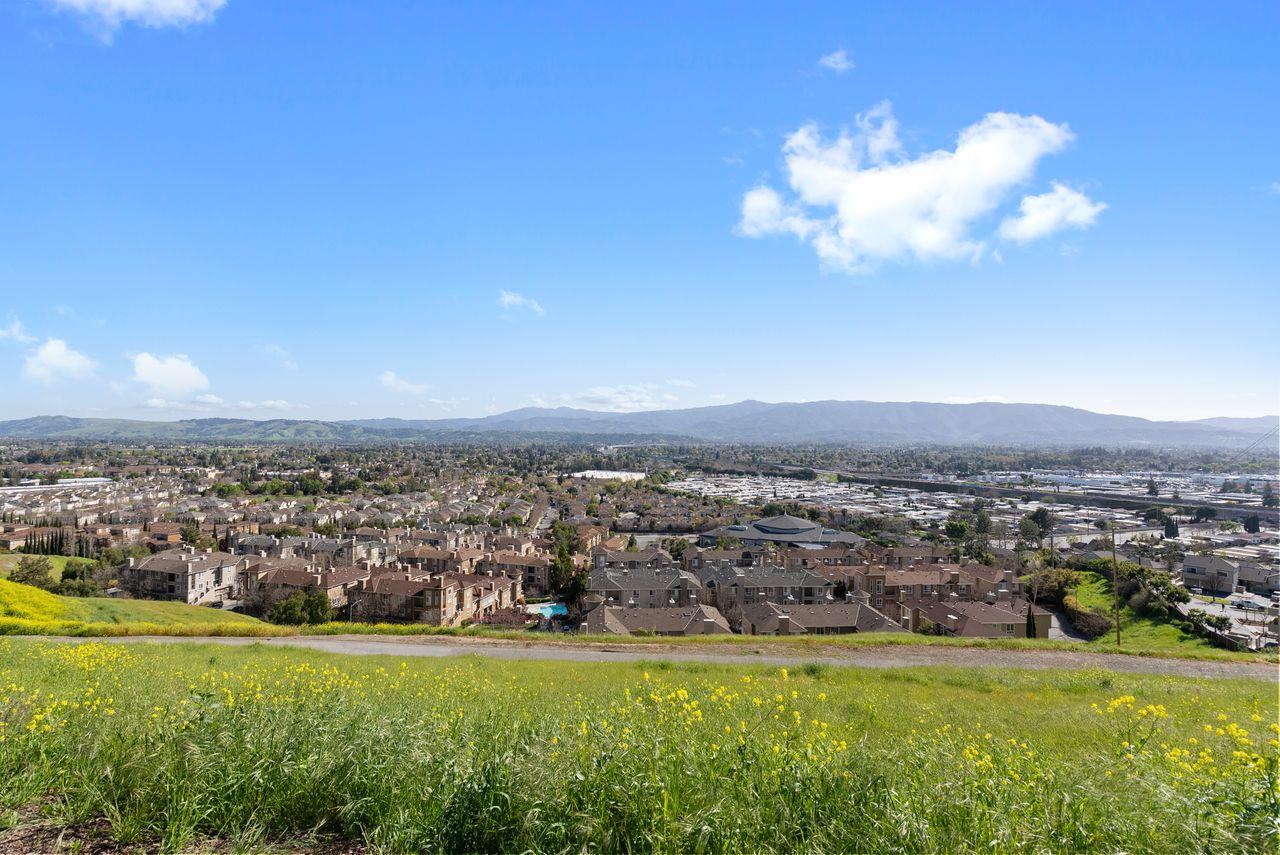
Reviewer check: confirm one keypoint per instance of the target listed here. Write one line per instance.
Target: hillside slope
(872, 422)
(25, 602)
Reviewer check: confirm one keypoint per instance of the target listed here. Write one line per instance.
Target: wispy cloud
(837, 61)
(105, 17)
(277, 405)
(280, 354)
(16, 332)
(683, 384)
(510, 300)
(394, 382)
(54, 361)
(626, 398)
(860, 201)
(975, 399)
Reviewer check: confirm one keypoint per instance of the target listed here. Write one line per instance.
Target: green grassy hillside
(58, 562)
(27, 603)
(183, 747)
(1137, 632)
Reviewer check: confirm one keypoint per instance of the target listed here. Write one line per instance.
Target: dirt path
(887, 656)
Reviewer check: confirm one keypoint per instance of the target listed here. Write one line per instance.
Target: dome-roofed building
(782, 529)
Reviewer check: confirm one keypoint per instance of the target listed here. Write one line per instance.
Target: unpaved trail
(884, 656)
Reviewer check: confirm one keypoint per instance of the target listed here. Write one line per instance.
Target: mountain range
(866, 422)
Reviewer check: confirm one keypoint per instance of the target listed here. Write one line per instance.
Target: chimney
(133, 562)
(784, 624)
(708, 626)
(862, 597)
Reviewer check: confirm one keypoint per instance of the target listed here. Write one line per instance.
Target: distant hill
(744, 422)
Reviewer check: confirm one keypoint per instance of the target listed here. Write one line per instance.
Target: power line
(1252, 445)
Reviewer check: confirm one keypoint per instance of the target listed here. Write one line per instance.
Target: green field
(58, 562)
(184, 746)
(1137, 632)
(26, 603)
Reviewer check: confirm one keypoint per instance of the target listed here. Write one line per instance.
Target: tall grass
(250, 746)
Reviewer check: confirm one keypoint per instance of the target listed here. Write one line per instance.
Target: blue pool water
(549, 610)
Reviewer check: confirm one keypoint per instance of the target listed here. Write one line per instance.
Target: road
(886, 656)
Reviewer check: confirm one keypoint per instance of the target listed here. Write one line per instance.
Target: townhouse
(185, 575)
(837, 618)
(681, 621)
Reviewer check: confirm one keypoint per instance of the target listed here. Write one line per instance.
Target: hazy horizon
(170, 417)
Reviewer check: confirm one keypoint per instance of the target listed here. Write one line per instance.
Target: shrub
(35, 570)
(302, 608)
(1090, 622)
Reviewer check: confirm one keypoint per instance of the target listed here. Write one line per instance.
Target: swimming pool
(548, 610)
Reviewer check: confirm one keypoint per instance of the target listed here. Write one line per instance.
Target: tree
(310, 607)
(1252, 524)
(982, 522)
(1028, 531)
(1202, 514)
(34, 570)
(567, 581)
(632, 545)
(1043, 517)
(1268, 495)
(956, 530)
(1170, 527)
(1152, 489)
(1031, 621)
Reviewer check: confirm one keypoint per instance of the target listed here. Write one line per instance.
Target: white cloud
(879, 128)
(174, 376)
(683, 384)
(275, 404)
(1274, 188)
(54, 361)
(209, 400)
(511, 300)
(192, 406)
(105, 17)
(858, 200)
(285, 358)
(621, 399)
(16, 332)
(166, 404)
(1060, 208)
(975, 399)
(394, 382)
(837, 61)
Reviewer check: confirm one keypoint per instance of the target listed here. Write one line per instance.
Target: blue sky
(342, 210)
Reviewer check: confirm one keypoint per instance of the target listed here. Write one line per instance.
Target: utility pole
(1115, 581)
